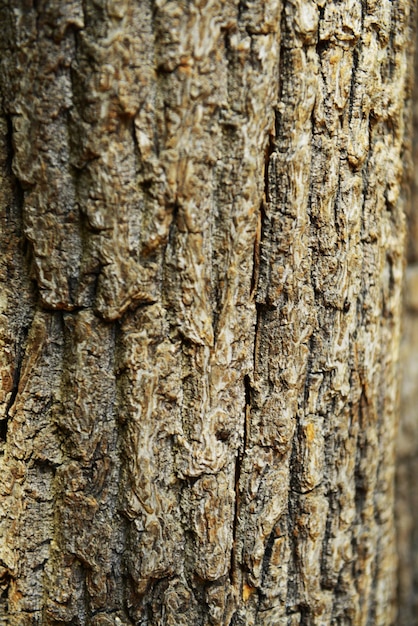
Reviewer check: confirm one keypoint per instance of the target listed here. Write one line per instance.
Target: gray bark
(202, 225)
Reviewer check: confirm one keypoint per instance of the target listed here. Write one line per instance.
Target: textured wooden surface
(202, 233)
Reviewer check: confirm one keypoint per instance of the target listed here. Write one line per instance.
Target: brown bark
(202, 218)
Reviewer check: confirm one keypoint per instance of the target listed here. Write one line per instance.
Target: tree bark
(202, 218)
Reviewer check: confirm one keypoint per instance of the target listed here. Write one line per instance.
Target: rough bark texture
(202, 219)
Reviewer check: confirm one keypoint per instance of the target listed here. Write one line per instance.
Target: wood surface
(202, 210)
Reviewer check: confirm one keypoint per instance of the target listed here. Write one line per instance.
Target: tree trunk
(202, 226)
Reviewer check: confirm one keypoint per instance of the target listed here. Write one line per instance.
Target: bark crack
(235, 579)
(13, 395)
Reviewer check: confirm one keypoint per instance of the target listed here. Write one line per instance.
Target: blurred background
(407, 466)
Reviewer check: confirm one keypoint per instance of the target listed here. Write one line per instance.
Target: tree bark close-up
(203, 237)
